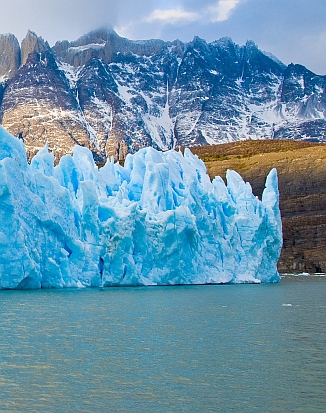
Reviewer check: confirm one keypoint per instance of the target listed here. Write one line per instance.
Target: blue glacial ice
(158, 220)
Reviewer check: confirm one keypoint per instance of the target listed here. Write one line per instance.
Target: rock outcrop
(32, 44)
(10, 56)
(106, 45)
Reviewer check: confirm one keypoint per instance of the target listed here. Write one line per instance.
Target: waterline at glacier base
(158, 220)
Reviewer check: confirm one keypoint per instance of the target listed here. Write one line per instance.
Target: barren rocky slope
(301, 169)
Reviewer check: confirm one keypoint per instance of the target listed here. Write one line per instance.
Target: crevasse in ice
(157, 220)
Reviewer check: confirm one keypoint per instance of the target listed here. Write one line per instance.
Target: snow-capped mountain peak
(115, 95)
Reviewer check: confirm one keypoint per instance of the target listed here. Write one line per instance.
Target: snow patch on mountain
(124, 95)
(87, 47)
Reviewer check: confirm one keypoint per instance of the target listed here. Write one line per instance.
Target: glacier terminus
(157, 220)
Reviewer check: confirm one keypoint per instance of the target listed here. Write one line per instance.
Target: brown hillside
(301, 170)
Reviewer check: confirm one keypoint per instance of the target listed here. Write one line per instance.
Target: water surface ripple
(232, 348)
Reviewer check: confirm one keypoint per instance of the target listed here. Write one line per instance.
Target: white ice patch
(70, 72)
(161, 125)
(95, 46)
(105, 111)
(301, 82)
(124, 92)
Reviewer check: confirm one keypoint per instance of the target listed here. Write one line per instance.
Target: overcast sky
(293, 30)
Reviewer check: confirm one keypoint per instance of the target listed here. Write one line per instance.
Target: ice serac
(158, 220)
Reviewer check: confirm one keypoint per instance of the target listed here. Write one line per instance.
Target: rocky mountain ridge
(115, 95)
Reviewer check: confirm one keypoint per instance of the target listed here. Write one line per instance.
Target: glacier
(157, 220)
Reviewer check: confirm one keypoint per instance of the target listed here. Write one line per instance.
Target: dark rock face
(32, 44)
(116, 96)
(106, 45)
(10, 58)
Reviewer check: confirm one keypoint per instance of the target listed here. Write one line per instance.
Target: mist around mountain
(115, 96)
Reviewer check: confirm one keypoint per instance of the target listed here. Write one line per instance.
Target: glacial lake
(227, 348)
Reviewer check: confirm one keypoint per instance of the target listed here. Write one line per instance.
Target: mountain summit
(114, 95)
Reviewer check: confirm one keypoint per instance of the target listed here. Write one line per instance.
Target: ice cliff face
(158, 220)
(116, 96)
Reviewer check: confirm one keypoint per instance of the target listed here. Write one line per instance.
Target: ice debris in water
(157, 220)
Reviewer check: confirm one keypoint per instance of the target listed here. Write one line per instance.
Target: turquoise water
(231, 348)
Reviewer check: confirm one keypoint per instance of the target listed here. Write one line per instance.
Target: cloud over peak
(222, 10)
(172, 16)
(218, 12)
